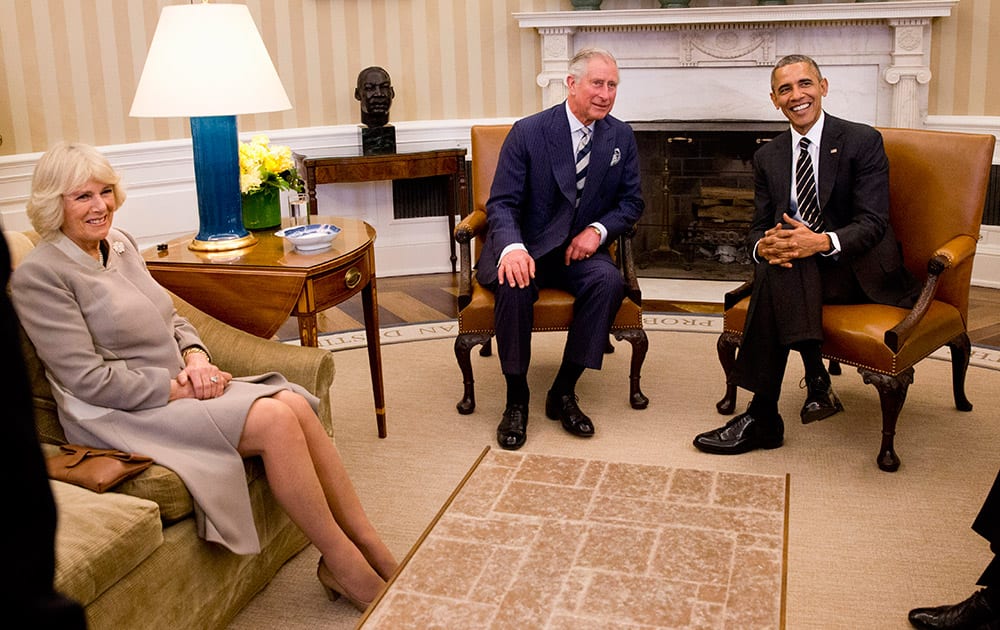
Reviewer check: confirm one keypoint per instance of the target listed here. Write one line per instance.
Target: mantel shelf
(838, 12)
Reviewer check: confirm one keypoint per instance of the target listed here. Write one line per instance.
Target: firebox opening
(697, 181)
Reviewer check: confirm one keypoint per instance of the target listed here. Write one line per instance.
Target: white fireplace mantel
(713, 62)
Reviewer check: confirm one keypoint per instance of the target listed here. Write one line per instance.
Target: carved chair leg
(892, 394)
(640, 345)
(961, 351)
(463, 347)
(487, 349)
(834, 368)
(610, 348)
(726, 348)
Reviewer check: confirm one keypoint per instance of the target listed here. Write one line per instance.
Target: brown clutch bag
(96, 469)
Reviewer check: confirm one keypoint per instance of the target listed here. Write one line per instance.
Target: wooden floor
(431, 298)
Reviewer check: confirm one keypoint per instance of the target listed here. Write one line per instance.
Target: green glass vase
(262, 209)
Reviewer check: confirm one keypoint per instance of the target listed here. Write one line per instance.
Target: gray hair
(578, 65)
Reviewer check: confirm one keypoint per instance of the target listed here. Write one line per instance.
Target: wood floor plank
(432, 297)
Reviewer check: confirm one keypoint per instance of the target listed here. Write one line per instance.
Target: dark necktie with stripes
(582, 160)
(805, 189)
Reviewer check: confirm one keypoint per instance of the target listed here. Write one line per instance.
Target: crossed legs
(308, 478)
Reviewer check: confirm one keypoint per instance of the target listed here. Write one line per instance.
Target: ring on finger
(214, 379)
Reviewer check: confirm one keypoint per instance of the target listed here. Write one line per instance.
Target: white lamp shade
(207, 60)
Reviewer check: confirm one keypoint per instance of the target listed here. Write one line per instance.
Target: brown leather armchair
(937, 190)
(554, 308)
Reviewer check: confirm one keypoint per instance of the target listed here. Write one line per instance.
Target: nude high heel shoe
(334, 589)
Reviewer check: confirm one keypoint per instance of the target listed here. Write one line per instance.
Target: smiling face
(798, 90)
(87, 214)
(592, 96)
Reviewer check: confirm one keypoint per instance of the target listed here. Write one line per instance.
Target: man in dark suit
(815, 240)
(981, 610)
(566, 186)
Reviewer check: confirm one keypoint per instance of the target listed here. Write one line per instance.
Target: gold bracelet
(192, 349)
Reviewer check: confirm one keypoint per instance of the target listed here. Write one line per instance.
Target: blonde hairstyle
(64, 168)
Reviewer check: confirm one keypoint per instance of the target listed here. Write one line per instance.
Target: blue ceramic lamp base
(217, 178)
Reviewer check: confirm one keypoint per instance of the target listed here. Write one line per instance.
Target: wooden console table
(257, 288)
(372, 168)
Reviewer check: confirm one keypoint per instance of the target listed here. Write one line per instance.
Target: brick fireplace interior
(697, 182)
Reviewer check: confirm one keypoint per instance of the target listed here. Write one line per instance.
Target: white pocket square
(616, 157)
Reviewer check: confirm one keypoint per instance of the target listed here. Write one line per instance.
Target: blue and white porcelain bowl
(310, 237)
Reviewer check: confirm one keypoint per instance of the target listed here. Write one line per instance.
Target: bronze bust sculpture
(375, 92)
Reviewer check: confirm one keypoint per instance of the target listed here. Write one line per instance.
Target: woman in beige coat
(129, 373)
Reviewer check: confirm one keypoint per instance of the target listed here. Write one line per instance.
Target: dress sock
(812, 359)
(565, 382)
(517, 389)
(762, 407)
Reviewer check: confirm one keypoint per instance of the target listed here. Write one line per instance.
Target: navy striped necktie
(805, 189)
(582, 160)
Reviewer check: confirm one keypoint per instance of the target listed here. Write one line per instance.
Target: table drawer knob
(352, 277)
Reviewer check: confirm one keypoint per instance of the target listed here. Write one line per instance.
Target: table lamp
(207, 62)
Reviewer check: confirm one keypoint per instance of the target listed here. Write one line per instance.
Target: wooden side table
(257, 288)
(371, 168)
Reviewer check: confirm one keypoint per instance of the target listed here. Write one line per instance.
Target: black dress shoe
(975, 613)
(513, 428)
(742, 434)
(821, 401)
(564, 409)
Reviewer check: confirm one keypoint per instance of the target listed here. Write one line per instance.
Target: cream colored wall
(68, 69)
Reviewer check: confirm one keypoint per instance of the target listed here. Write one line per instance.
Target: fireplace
(694, 85)
(697, 182)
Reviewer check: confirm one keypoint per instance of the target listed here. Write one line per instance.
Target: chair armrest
(243, 354)
(949, 255)
(733, 297)
(474, 224)
(627, 251)
(956, 251)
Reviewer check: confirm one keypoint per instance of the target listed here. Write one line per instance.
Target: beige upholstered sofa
(132, 556)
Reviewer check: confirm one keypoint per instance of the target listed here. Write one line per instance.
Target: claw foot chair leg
(726, 348)
(640, 345)
(892, 394)
(961, 351)
(463, 347)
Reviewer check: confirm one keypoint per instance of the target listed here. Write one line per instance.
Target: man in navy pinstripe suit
(566, 186)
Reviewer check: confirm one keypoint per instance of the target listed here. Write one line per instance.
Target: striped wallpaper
(68, 68)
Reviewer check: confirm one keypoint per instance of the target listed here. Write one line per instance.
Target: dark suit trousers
(786, 307)
(599, 289)
(987, 525)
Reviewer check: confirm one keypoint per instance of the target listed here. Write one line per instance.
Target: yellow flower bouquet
(265, 170)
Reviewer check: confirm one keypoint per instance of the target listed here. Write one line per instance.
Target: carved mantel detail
(662, 44)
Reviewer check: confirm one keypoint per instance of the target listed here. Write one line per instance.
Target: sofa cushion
(100, 538)
(158, 484)
(162, 486)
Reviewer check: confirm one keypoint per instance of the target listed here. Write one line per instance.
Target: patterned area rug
(676, 322)
(539, 541)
